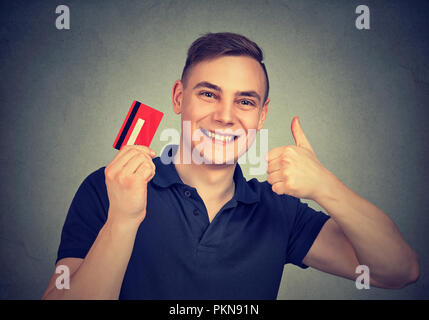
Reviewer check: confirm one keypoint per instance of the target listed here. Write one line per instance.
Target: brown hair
(212, 45)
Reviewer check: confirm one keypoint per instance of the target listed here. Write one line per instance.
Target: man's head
(213, 45)
(223, 90)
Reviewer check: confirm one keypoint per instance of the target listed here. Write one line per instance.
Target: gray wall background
(362, 97)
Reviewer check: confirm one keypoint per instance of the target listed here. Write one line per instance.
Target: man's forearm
(375, 238)
(101, 273)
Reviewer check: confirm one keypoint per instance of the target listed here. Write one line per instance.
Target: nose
(224, 114)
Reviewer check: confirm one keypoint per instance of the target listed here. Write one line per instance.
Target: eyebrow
(206, 84)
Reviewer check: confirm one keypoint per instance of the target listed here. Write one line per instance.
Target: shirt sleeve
(304, 226)
(85, 217)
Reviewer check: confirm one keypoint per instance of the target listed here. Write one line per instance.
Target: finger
(127, 152)
(120, 160)
(299, 135)
(148, 159)
(145, 171)
(140, 147)
(120, 154)
(275, 177)
(278, 187)
(274, 153)
(133, 163)
(125, 155)
(277, 164)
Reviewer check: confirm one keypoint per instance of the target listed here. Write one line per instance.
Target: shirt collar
(166, 175)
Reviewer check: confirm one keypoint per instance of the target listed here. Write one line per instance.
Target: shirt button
(188, 193)
(196, 212)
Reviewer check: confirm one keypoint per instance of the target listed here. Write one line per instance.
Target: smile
(219, 137)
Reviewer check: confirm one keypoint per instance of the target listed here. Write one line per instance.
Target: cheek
(194, 110)
(249, 120)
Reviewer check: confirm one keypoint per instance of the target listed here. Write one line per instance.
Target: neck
(212, 181)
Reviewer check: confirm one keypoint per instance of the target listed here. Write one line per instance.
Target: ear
(263, 114)
(177, 96)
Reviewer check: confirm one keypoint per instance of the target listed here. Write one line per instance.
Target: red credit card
(139, 126)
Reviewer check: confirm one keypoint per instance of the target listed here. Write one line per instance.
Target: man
(142, 229)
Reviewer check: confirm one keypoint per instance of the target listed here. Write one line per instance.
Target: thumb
(299, 135)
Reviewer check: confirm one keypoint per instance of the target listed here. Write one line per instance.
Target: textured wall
(361, 96)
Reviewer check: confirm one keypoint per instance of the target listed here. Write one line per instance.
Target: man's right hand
(127, 177)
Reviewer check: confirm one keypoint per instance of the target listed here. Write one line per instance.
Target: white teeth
(218, 137)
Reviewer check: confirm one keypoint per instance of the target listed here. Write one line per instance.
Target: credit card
(139, 126)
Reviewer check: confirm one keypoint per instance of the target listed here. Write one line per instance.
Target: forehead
(231, 73)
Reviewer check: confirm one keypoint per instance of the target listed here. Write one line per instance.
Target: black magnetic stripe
(128, 125)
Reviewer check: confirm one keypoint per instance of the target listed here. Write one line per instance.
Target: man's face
(223, 105)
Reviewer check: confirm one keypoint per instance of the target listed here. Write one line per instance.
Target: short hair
(212, 45)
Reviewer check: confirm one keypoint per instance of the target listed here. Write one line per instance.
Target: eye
(207, 94)
(246, 103)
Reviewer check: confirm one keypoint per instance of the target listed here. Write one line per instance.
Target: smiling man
(223, 100)
(142, 229)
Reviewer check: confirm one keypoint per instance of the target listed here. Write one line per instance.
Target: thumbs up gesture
(295, 170)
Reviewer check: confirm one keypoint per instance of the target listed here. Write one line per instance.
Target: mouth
(219, 137)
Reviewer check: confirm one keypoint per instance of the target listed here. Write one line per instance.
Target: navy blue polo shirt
(179, 254)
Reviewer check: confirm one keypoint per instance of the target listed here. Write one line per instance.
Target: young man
(142, 229)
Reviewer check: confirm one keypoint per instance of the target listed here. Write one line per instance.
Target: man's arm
(358, 232)
(100, 274)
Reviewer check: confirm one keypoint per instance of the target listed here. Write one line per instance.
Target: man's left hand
(295, 170)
